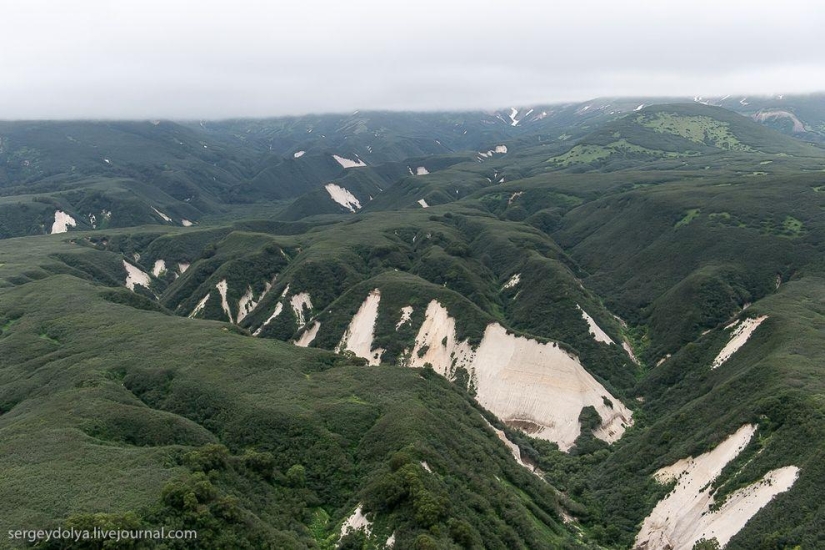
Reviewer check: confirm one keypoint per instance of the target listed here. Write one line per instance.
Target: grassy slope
(105, 407)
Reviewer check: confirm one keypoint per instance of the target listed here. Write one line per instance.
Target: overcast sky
(211, 59)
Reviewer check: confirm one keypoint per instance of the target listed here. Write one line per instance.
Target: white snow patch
(223, 287)
(421, 171)
(162, 215)
(423, 203)
(512, 281)
(357, 522)
(349, 163)
(361, 331)
(279, 307)
(406, 312)
(309, 335)
(62, 222)
(298, 303)
(741, 333)
(536, 387)
(135, 276)
(299, 154)
(343, 197)
(186, 223)
(684, 516)
(640, 107)
(199, 307)
(158, 268)
(595, 330)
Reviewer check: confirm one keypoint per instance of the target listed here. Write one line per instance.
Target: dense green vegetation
(118, 410)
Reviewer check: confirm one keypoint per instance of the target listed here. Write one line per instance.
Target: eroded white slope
(223, 287)
(741, 333)
(162, 215)
(248, 302)
(309, 335)
(62, 222)
(514, 449)
(512, 281)
(279, 307)
(357, 522)
(684, 516)
(349, 163)
(199, 307)
(135, 276)
(298, 303)
(343, 197)
(361, 331)
(406, 313)
(536, 387)
(158, 268)
(595, 330)
(423, 203)
(421, 171)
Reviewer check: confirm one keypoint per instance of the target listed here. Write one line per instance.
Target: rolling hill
(581, 326)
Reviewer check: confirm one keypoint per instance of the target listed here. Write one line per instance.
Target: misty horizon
(190, 60)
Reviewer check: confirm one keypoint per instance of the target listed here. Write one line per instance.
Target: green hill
(493, 339)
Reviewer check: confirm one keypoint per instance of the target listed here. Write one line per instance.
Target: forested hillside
(593, 325)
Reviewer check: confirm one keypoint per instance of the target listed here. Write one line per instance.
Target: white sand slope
(186, 223)
(162, 215)
(421, 171)
(279, 307)
(629, 351)
(158, 268)
(223, 287)
(183, 266)
(423, 203)
(595, 330)
(406, 312)
(343, 197)
(536, 387)
(349, 163)
(742, 331)
(248, 302)
(514, 449)
(684, 516)
(361, 331)
(62, 222)
(135, 276)
(308, 335)
(514, 196)
(298, 303)
(199, 307)
(512, 281)
(357, 522)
